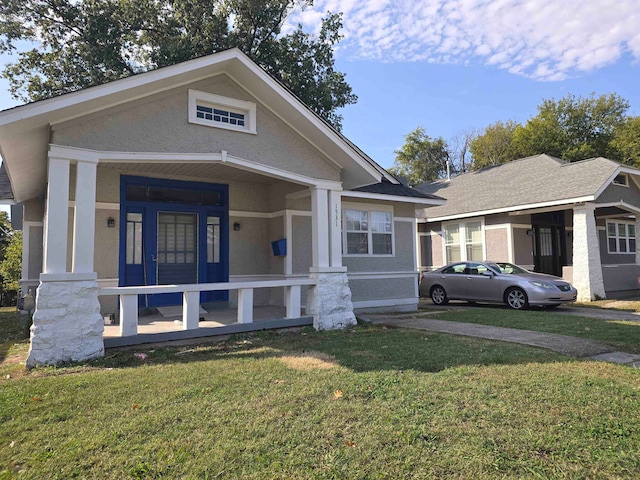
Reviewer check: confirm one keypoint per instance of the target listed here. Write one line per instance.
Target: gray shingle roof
(388, 188)
(5, 185)
(525, 181)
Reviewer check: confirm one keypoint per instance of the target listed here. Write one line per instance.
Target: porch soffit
(217, 172)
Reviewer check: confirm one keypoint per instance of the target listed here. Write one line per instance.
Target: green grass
(367, 403)
(624, 305)
(14, 340)
(624, 335)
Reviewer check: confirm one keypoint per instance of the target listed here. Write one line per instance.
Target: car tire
(516, 298)
(439, 295)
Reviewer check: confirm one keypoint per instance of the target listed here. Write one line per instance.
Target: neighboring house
(576, 220)
(208, 177)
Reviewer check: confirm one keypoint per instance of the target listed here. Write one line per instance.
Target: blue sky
(453, 65)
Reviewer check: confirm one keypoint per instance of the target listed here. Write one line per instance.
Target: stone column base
(329, 301)
(67, 325)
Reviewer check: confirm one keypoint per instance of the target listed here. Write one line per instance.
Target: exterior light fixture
(236, 226)
(111, 222)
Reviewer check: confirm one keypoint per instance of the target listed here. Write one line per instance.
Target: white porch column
(335, 228)
(57, 216)
(67, 324)
(329, 300)
(84, 217)
(587, 267)
(320, 227)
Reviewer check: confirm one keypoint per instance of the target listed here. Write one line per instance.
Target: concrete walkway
(566, 345)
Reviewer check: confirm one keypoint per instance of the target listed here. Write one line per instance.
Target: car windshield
(508, 268)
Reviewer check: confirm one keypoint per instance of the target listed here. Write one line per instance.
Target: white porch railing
(191, 300)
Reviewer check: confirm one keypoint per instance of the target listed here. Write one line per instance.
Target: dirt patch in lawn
(309, 360)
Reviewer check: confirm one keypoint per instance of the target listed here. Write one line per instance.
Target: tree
(460, 150)
(11, 266)
(626, 141)
(421, 158)
(494, 145)
(91, 42)
(573, 128)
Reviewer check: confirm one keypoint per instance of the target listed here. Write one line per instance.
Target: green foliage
(91, 42)
(494, 145)
(421, 158)
(627, 141)
(11, 266)
(573, 128)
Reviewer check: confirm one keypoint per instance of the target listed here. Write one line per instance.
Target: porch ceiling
(212, 171)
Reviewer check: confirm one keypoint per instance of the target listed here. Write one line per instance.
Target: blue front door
(173, 233)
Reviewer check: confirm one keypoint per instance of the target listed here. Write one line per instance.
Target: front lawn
(624, 335)
(367, 403)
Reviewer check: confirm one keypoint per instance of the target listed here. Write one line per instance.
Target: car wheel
(439, 296)
(516, 298)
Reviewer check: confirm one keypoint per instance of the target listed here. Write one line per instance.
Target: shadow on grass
(361, 349)
(13, 328)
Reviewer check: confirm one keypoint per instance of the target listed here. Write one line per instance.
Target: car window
(510, 268)
(476, 269)
(457, 268)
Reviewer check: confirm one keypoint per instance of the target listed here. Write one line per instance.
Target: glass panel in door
(177, 259)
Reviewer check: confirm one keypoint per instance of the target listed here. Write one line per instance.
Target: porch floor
(158, 323)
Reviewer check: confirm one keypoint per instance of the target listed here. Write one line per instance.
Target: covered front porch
(104, 251)
(591, 244)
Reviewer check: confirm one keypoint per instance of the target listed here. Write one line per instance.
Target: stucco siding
(402, 259)
(621, 277)
(616, 193)
(498, 219)
(160, 124)
(35, 253)
(300, 250)
(436, 248)
(249, 247)
(382, 288)
(33, 210)
(497, 244)
(522, 247)
(612, 258)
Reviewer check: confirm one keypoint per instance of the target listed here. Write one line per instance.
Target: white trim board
(392, 198)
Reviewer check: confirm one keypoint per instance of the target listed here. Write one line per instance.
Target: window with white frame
(221, 112)
(368, 232)
(463, 241)
(621, 237)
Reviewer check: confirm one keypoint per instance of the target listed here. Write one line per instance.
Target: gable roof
(533, 181)
(392, 191)
(24, 130)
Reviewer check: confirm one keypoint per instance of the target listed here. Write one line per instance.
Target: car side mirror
(488, 273)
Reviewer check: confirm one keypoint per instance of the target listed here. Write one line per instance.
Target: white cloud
(542, 39)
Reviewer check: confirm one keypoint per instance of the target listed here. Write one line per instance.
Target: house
(576, 220)
(201, 184)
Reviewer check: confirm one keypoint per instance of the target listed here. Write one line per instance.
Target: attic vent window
(221, 112)
(621, 179)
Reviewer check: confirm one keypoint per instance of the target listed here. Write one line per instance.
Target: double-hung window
(368, 232)
(463, 242)
(621, 237)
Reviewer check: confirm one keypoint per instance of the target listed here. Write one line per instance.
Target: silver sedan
(495, 282)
